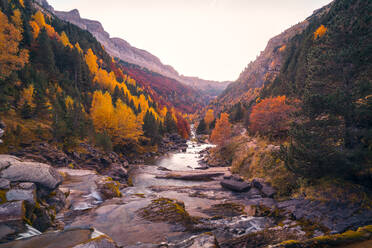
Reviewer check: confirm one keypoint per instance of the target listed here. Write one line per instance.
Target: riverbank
(174, 202)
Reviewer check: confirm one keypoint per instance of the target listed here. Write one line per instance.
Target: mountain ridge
(120, 48)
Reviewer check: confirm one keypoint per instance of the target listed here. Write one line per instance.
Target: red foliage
(183, 127)
(166, 91)
(271, 116)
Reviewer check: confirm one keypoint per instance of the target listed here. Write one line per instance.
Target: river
(119, 217)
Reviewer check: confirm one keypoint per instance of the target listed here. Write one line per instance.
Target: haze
(211, 39)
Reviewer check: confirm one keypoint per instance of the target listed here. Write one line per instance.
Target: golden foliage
(35, 29)
(127, 126)
(27, 96)
(209, 117)
(17, 19)
(65, 40)
(38, 22)
(77, 46)
(222, 132)
(11, 57)
(320, 32)
(91, 60)
(22, 3)
(282, 48)
(120, 123)
(69, 102)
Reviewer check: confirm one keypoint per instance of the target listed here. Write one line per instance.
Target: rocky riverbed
(175, 202)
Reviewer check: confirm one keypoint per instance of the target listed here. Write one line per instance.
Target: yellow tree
(320, 32)
(11, 57)
(64, 39)
(209, 117)
(91, 60)
(102, 112)
(222, 132)
(35, 29)
(17, 19)
(128, 127)
(27, 96)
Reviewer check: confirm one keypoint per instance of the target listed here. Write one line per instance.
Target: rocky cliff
(121, 49)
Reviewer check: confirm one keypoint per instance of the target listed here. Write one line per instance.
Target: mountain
(121, 49)
(264, 69)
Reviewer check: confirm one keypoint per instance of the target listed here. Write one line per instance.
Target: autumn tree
(127, 126)
(222, 132)
(320, 32)
(271, 116)
(91, 60)
(102, 112)
(11, 57)
(209, 118)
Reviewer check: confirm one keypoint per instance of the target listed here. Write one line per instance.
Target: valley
(104, 146)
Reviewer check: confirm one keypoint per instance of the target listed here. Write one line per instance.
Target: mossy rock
(110, 189)
(336, 240)
(229, 209)
(167, 210)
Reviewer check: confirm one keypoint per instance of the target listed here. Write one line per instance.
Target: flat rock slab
(235, 185)
(77, 238)
(12, 211)
(191, 175)
(42, 174)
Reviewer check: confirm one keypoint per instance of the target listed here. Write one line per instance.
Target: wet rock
(334, 215)
(235, 185)
(228, 209)
(108, 188)
(268, 191)
(205, 240)
(57, 200)
(12, 211)
(167, 210)
(4, 183)
(42, 174)
(74, 238)
(7, 160)
(191, 175)
(254, 193)
(28, 195)
(161, 168)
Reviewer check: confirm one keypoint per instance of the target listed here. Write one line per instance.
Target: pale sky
(211, 39)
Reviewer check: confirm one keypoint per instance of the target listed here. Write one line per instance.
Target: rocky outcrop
(18, 171)
(235, 185)
(88, 157)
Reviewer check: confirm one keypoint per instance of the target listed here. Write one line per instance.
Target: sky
(210, 39)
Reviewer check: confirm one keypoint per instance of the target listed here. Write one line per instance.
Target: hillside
(58, 84)
(264, 69)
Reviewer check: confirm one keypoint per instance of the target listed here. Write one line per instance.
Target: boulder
(267, 190)
(74, 238)
(28, 195)
(191, 175)
(4, 183)
(235, 185)
(39, 173)
(205, 240)
(12, 211)
(7, 160)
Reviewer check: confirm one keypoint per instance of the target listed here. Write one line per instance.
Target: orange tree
(271, 116)
(222, 132)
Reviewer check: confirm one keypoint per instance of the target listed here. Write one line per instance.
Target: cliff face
(265, 68)
(121, 49)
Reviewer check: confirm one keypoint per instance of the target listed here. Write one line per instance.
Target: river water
(119, 218)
